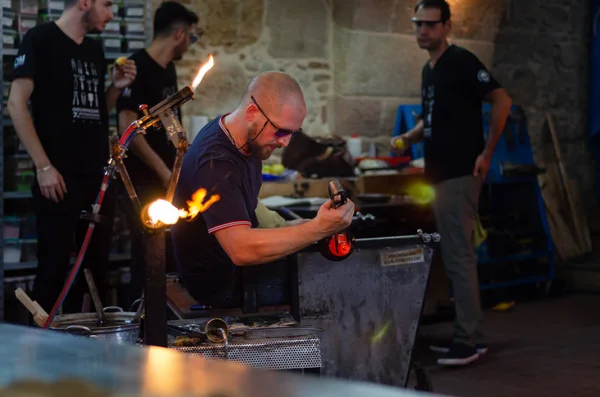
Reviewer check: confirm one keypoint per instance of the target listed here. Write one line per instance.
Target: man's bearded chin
(264, 152)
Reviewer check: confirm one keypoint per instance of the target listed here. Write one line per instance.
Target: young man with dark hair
(150, 159)
(457, 158)
(62, 71)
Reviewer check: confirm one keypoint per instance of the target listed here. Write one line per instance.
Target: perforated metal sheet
(270, 354)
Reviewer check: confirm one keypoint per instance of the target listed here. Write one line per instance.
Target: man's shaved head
(270, 112)
(273, 91)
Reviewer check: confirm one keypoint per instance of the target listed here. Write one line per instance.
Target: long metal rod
(115, 149)
(181, 150)
(390, 239)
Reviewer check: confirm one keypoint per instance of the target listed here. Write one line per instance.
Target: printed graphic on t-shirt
(19, 61)
(483, 76)
(428, 101)
(86, 106)
(167, 92)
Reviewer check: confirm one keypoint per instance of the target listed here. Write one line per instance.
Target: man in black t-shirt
(62, 72)
(226, 159)
(150, 158)
(457, 158)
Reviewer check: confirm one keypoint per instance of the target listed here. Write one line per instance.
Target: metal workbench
(29, 353)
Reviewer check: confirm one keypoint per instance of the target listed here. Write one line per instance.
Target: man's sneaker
(459, 354)
(445, 347)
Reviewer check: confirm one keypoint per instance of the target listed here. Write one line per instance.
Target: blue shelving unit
(516, 151)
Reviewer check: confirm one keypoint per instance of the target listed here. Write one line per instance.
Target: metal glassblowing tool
(339, 246)
(155, 300)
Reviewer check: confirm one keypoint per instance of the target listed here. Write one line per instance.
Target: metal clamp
(92, 217)
(427, 237)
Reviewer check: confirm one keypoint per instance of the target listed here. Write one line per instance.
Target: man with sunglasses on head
(457, 158)
(150, 158)
(226, 159)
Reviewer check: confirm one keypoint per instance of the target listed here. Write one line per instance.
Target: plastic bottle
(354, 144)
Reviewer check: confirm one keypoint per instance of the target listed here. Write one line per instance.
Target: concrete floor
(548, 347)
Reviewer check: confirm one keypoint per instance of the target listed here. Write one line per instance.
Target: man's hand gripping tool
(339, 246)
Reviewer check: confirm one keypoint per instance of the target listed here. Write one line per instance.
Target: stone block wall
(542, 56)
(250, 36)
(357, 60)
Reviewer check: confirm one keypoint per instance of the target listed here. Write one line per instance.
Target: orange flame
(197, 204)
(166, 213)
(203, 69)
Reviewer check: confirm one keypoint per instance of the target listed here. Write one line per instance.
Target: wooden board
(566, 218)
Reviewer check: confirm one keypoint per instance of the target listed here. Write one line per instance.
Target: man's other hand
(123, 76)
(52, 185)
(399, 145)
(482, 165)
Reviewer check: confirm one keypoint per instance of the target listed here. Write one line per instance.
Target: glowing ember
(203, 69)
(161, 211)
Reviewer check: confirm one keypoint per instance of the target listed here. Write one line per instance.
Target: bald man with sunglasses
(226, 159)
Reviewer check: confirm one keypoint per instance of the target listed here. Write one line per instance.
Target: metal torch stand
(368, 305)
(155, 289)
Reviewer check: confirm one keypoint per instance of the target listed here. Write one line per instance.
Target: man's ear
(179, 35)
(250, 112)
(448, 26)
(84, 5)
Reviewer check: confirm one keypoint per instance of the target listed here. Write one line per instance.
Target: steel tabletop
(129, 370)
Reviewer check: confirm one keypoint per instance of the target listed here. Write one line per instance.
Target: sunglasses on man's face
(194, 36)
(417, 23)
(281, 132)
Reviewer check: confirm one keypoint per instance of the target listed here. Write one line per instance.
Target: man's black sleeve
(476, 77)
(25, 62)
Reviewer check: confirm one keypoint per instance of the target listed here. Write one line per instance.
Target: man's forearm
(112, 94)
(498, 116)
(23, 124)
(254, 246)
(142, 149)
(296, 222)
(415, 135)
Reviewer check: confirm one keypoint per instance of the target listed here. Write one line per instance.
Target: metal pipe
(173, 102)
(115, 149)
(181, 150)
